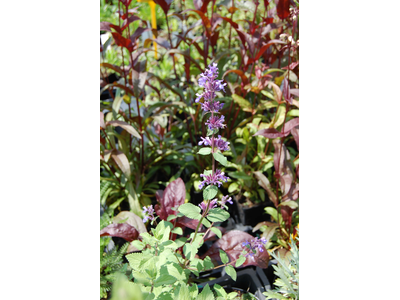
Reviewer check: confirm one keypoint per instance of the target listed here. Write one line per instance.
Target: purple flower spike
(217, 178)
(148, 213)
(203, 205)
(225, 199)
(215, 123)
(216, 142)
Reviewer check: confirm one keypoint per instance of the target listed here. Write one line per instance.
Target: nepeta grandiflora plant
(162, 269)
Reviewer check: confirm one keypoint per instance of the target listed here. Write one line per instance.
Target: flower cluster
(211, 85)
(217, 178)
(203, 205)
(255, 244)
(226, 199)
(215, 142)
(148, 213)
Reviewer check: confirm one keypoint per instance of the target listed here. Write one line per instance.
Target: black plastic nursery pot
(249, 280)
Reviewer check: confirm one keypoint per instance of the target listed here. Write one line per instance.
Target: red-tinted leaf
(295, 133)
(283, 9)
(105, 26)
(238, 30)
(206, 21)
(265, 47)
(266, 223)
(286, 92)
(266, 185)
(214, 38)
(126, 126)
(126, 2)
(231, 243)
(102, 125)
(271, 133)
(201, 5)
(132, 219)
(291, 66)
(294, 92)
(138, 32)
(122, 41)
(165, 5)
(187, 222)
(124, 230)
(122, 162)
(173, 196)
(112, 67)
(129, 20)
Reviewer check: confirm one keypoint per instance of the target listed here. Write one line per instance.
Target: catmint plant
(164, 264)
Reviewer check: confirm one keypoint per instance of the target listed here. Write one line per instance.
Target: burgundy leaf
(126, 2)
(122, 161)
(187, 222)
(206, 21)
(266, 223)
(129, 20)
(105, 26)
(138, 32)
(174, 196)
(231, 243)
(271, 133)
(129, 128)
(122, 41)
(266, 185)
(295, 133)
(265, 47)
(242, 75)
(165, 5)
(124, 230)
(285, 91)
(283, 9)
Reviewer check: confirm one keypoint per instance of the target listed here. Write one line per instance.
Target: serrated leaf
(223, 256)
(204, 151)
(191, 211)
(220, 158)
(231, 272)
(240, 261)
(216, 231)
(219, 290)
(138, 244)
(218, 215)
(206, 294)
(210, 192)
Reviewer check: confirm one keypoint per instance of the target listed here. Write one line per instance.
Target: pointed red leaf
(165, 5)
(283, 9)
(271, 133)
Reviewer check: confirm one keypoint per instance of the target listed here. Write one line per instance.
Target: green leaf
(182, 293)
(164, 279)
(204, 151)
(206, 223)
(243, 103)
(218, 215)
(219, 290)
(206, 294)
(211, 132)
(171, 217)
(220, 158)
(224, 257)
(272, 211)
(191, 211)
(240, 261)
(233, 187)
(231, 271)
(210, 192)
(177, 230)
(292, 204)
(216, 231)
(138, 244)
(208, 263)
(239, 175)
